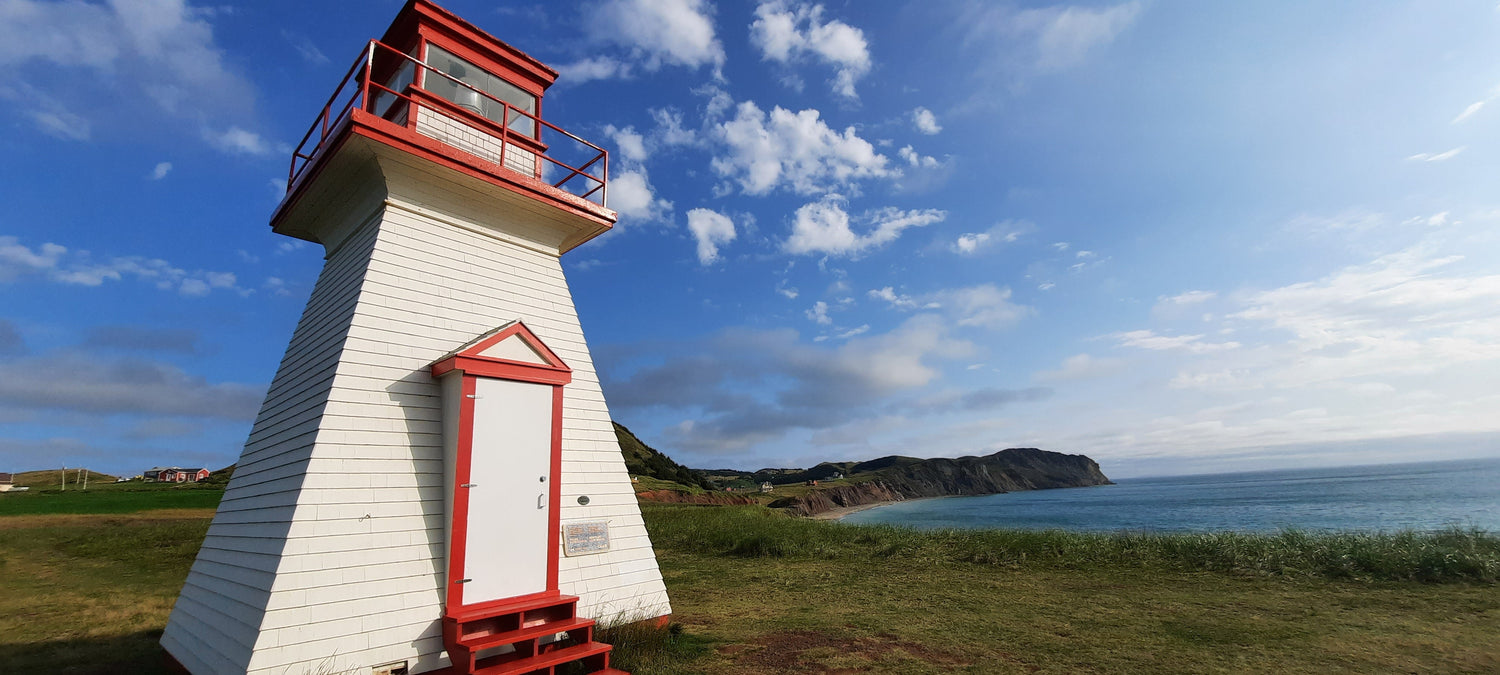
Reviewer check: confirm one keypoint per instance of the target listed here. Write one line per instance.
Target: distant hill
(52, 478)
(644, 460)
(896, 478)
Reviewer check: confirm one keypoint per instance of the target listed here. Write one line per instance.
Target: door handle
(541, 501)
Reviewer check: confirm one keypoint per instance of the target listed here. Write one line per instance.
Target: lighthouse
(433, 483)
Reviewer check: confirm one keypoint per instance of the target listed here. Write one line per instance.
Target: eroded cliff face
(840, 496)
(1005, 471)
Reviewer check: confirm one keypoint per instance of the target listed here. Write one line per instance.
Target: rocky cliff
(898, 478)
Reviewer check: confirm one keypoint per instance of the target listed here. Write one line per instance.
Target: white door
(510, 470)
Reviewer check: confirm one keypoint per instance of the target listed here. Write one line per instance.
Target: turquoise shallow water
(1391, 497)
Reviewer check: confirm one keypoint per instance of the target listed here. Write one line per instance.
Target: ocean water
(1390, 497)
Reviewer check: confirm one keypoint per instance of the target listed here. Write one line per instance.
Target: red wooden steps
(513, 633)
(542, 664)
(476, 643)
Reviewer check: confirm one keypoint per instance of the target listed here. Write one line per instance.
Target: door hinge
(470, 485)
(473, 396)
(463, 581)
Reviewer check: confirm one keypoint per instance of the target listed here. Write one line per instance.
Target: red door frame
(471, 364)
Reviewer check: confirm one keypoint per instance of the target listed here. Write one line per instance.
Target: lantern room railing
(565, 161)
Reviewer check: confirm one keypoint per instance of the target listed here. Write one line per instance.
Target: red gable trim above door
(470, 359)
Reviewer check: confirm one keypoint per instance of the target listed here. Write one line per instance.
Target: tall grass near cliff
(1453, 555)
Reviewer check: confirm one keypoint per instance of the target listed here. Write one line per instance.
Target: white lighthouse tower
(433, 483)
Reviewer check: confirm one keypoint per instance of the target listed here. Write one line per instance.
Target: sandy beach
(840, 512)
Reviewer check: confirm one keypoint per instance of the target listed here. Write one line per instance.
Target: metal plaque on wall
(585, 538)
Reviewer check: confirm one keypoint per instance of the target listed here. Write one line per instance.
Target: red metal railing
(587, 177)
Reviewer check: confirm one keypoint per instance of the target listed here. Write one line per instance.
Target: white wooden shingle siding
(327, 553)
(474, 141)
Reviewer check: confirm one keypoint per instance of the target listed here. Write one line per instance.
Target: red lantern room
(443, 91)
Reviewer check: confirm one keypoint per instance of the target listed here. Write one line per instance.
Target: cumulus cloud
(711, 230)
(631, 194)
(795, 151)
(161, 170)
(630, 145)
(890, 295)
(924, 121)
(787, 32)
(652, 33)
(57, 263)
(917, 160)
(825, 227)
(161, 52)
(818, 314)
(1003, 233)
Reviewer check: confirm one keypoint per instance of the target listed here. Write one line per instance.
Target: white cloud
(711, 230)
(786, 31)
(916, 160)
(786, 290)
(819, 313)
(305, 48)
(796, 151)
(986, 305)
(62, 124)
(890, 295)
(1065, 35)
(824, 227)
(237, 141)
(161, 52)
(1080, 367)
(630, 145)
(78, 268)
(924, 121)
(654, 33)
(1437, 157)
(631, 195)
(1002, 233)
(593, 68)
(1469, 111)
(161, 170)
(1193, 344)
(858, 330)
(1188, 298)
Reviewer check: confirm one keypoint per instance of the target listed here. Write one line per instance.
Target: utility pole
(85, 473)
(65, 478)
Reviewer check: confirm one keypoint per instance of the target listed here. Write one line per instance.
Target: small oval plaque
(583, 500)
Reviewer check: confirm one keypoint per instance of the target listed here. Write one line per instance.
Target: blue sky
(1176, 237)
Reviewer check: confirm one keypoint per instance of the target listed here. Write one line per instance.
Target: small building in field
(7, 481)
(766, 487)
(175, 475)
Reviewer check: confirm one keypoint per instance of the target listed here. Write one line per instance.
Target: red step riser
(464, 638)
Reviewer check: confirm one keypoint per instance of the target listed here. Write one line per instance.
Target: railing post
(364, 88)
(504, 131)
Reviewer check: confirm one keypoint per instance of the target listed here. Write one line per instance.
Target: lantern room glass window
(464, 97)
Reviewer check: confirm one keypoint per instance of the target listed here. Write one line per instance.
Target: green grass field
(754, 591)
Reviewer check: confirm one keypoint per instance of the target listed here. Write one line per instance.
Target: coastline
(839, 513)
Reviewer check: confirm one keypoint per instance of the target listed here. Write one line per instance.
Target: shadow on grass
(131, 654)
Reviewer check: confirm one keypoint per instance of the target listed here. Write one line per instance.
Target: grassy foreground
(757, 592)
